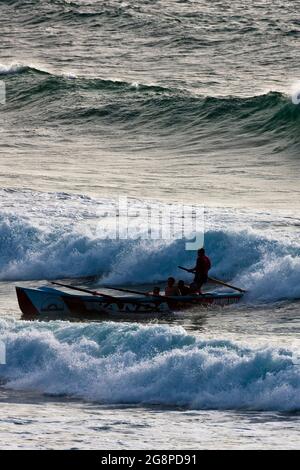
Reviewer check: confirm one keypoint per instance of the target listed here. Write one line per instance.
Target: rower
(203, 265)
(171, 288)
(156, 291)
(183, 288)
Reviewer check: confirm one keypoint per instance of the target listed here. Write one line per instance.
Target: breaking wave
(52, 244)
(18, 68)
(130, 363)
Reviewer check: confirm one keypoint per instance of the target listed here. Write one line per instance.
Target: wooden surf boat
(47, 301)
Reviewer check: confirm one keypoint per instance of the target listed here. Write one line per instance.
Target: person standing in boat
(203, 265)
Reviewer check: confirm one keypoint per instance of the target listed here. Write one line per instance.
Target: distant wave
(270, 121)
(120, 14)
(93, 83)
(131, 363)
(17, 69)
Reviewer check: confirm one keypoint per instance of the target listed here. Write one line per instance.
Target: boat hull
(46, 301)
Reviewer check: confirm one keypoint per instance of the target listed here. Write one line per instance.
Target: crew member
(183, 288)
(171, 288)
(156, 291)
(203, 265)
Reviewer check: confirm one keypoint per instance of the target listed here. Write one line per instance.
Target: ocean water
(191, 102)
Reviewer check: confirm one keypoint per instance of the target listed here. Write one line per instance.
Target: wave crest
(18, 69)
(270, 120)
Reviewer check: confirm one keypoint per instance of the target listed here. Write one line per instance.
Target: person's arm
(192, 269)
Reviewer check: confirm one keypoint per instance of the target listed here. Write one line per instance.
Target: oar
(222, 283)
(81, 289)
(94, 292)
(138, 292)
(130, 291)
(217, 281)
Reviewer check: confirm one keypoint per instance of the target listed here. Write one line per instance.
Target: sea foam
(131, 363)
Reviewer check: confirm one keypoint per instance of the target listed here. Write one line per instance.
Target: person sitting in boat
(156, 291)
(171, 288)
(183, 288)
(203, 265)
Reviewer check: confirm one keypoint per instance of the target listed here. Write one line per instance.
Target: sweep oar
(217, 281)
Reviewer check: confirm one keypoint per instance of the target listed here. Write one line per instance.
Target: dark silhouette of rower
(156, 291)
(171, 288)
(183, 288)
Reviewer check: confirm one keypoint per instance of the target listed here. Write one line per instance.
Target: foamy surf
(122, 363)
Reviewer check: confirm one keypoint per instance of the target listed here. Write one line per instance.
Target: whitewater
(162, 102)
(141, 364)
